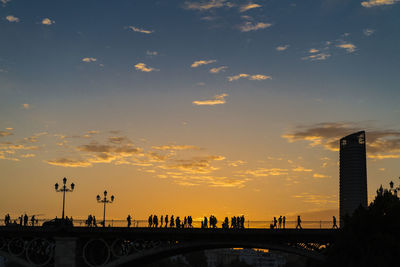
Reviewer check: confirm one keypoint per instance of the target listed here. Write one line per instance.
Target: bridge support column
(65, 252)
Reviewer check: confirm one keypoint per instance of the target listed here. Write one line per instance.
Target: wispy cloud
(26, 106)
(249, 26)
(136, 29)
(143, 67)
(12, 18)
(248, 6)
(368, 32)
(89, 59)
(202, 62)
(374, 3)
(217, 100)
(317, 57)
(265, 172)
(47, 21)
(218, 70)
(320, 176)
(4, 2)
(350, 48)
(196, 165)
(381, 144)
(313, 50)
(282, 47)
(66, 162)
(317, 199)
(206, 5)
(176, 147)
(5, 133)
(301, 169)
(151, 53)
(256, 77)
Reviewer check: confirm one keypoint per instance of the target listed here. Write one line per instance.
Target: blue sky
(221, 83)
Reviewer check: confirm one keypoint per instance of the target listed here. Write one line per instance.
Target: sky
(194, 107)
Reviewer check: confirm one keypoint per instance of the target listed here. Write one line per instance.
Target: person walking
(334, 223)
(298, 223)
(129, 219)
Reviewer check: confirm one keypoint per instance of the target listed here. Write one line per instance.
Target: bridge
(117, 246)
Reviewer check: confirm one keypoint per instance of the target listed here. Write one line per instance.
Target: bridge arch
(186, 247)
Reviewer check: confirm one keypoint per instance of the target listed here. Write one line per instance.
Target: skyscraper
(353, 173)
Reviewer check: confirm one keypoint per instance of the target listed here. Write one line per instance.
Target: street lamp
(104, 201)
(64, 189)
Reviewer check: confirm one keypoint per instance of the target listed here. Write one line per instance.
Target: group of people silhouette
(168, 222)
(23, 220)
(91, 221)
(236, 222)
(213, 222)
(279, 223)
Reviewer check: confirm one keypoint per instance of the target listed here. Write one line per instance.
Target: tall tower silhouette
(353, 174)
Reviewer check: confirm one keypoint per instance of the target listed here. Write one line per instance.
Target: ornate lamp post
(104, 201)
(64, 189)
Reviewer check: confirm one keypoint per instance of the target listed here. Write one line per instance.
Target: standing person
(25, 219)
(334, 223)
(150, 220)
(33, 220)
(275, 221)
(166, 221)
(20, 220)
(129, 219)
(161, 221)
(172, 222)
(280, 221)
(284, 221)
(298, 223)
(94, 221)
(155, 221)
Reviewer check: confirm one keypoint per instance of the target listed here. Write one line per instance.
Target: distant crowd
(236, 222)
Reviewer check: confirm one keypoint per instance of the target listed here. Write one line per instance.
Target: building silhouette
(353, 174)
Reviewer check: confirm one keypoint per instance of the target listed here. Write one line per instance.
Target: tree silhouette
(370, 237)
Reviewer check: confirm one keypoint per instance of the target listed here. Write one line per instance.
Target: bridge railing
(196, 223)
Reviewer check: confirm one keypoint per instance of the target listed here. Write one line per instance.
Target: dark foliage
(370, 237)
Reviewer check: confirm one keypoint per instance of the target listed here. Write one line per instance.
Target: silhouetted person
(166, 221)
(94, 221)
(190, 221)
(150, 220)
(205, 222)
(178, 222)
(20, 220)
(298, 223)
(25, 220)
(184, 222)
(334, 223)
(275, 221)
(129, 219)
(33, 220)
(7, 219)
(284, 221)
(225, 224)
(155, 221)
(242, 221)
(172, 221)
(280, 221)
(161, 221)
